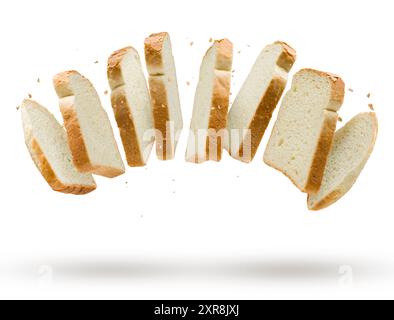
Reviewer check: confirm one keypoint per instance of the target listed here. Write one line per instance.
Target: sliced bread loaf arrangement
(303, 145)
(252, 109)
(352, 147)
(303, 133)
(46, 141)
(163, 85)
(132, 105)
(90, 135)
(211, 104)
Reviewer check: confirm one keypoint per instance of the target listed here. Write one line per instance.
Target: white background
(178, 230)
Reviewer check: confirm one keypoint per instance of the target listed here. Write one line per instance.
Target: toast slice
(352, 147)
(303, 133)
(163, 84)
(211, 103)
(252, 109)
(89, 130)
(46, 141)
(132, 105)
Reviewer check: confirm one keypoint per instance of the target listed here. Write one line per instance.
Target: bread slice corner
(352, 147)
(90, 135)
(47, 144)
(304, 130)
(132, 105)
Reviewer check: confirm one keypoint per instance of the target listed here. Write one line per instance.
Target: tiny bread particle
(30, 95)
(369, 95)
(371, 106)
(350, 90)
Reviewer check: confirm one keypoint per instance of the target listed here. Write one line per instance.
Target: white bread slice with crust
(352, 147)
(90, 135)
(303, 133)
(46, 141)
(252, 109)
(163, 85)
(211, 103)
(132, 105)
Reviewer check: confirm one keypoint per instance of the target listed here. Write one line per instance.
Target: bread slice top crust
(352, 147)
(164, 92)
(132, 105)
(47, 143)
(211, 104)
(252, 109)
(90, 135)
(303, 133)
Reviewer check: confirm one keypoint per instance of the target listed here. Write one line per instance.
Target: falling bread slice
(252, 109)
(303, 133)
(209, 121)
(131, 104)
(353, 144)
(46, 141)
(163, 86)
(89, 130)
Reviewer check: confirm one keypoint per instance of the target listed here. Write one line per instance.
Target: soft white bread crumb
(90, 135)
(47, 143)
(352, 147)
(132, 105)
(209, 122)
(163, 85)
(303, 133)
(252, 109)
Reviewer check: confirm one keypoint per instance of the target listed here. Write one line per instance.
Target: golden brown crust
(153, 50)
(322, 152)
(122, 110)
(161, 118)
(261, 119)
(127, 129)
(218, 116)
(75, 139)
(49, 175)
(288, 56)
(61, 83)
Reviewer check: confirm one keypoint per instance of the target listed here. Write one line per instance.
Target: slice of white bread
(90, 135)
(132, 105)
(353, 144)
(163, 86)
(252, 109)
(46, 141)
(303, 133)
(209, 122)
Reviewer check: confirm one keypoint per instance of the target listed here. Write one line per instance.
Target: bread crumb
(188, 83)
(233, 71)
(17, 108)
(371, 106)
(96, 62)
(191, 44)
(210, 40)
(105, 92)
(340, 119)
(369, 95)
(351, 90)
(248, 45)
(239, 52)
(38, 80)
(30, 95)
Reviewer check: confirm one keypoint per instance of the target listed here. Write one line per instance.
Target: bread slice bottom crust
(127, 130)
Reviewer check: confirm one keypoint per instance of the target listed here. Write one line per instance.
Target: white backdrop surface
(178, 230)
